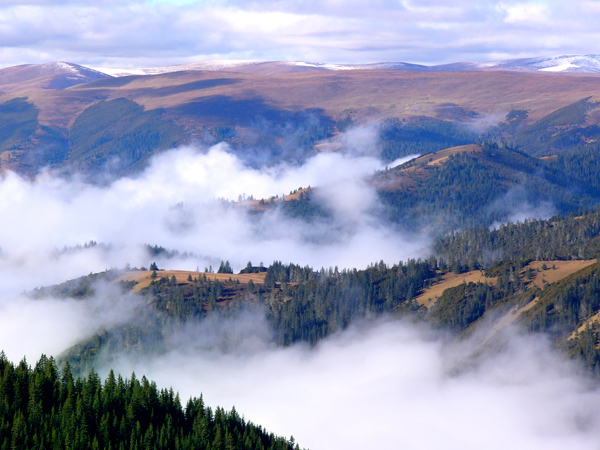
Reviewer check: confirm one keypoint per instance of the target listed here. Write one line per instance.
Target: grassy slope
(240, 104)
(386, 93)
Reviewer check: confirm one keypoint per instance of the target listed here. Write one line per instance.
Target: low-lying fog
(378, 385)
(173, 203)
(387, 385)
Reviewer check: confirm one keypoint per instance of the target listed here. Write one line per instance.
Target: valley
(430, 226)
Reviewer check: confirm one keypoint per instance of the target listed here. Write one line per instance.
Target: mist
(384, 384)
(379, 384)
(31, 326)
(182, 201)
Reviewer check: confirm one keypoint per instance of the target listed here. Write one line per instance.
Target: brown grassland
(367, 94)
(144, 277)
(450, 280)
(555, 271)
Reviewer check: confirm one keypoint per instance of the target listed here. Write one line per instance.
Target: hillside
(45, 407)
(479, 185)
(269, 117)
(556, 293)
(468, 186)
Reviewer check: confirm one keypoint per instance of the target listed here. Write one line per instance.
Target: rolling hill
(273, 116)
(468, 186)
(480, 278)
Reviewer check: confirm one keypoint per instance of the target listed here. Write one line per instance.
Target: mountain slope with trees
(269, 118)
(44, 407)
(302, 304)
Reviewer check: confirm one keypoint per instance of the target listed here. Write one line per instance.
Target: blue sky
(137, 33)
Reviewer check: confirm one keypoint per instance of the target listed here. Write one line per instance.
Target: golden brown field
(555, 271)
(449, 280)
(144, 277)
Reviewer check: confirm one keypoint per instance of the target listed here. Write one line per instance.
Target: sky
(138, 33)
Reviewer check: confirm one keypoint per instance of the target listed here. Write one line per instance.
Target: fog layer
(386, 385)
(379, 385)
(175, 203)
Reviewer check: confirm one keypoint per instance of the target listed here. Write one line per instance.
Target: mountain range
(563, 63)
(62, 116)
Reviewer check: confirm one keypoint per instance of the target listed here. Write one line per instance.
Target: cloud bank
(386, 385)
(381, 384)
(175, 203)
(137, 33)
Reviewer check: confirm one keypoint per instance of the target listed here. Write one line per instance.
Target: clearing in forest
(539, 277)
(555, 270)
(144, 277)
(449, 280)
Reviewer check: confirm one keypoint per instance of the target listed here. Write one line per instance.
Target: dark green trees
(225, 267)
(41, 408)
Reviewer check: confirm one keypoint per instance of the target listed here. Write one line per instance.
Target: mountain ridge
(559, 63)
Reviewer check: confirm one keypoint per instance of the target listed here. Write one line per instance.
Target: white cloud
(50, 213)
(388, 385)
(531, 12)
(137, 33)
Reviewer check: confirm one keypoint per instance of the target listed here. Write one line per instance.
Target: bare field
(439, 157)
(144, 277)
(449, 280)
(555, 270)
(562, 269)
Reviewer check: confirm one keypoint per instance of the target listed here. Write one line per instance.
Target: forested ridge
(470, 189)
(575, 236)
(47, 408)
(302, 304)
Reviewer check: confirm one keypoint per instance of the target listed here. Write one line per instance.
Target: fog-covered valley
(382, 382)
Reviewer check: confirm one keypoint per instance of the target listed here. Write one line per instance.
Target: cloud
(384, 384)
(142, 34)
(30, 327)
(526, 13)
(175, 203)
(387, 384)
(516, 205)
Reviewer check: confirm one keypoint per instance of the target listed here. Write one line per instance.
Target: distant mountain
(61, 75)
(261, 67)
(65, 116)
(565, 63)
(56, 75)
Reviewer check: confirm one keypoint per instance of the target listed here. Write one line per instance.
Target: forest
(303, 304)
(43, 407)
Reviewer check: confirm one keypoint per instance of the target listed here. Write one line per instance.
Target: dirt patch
(509, 318)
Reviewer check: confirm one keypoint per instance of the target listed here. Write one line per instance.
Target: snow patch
(200, 66)
(560, 68)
